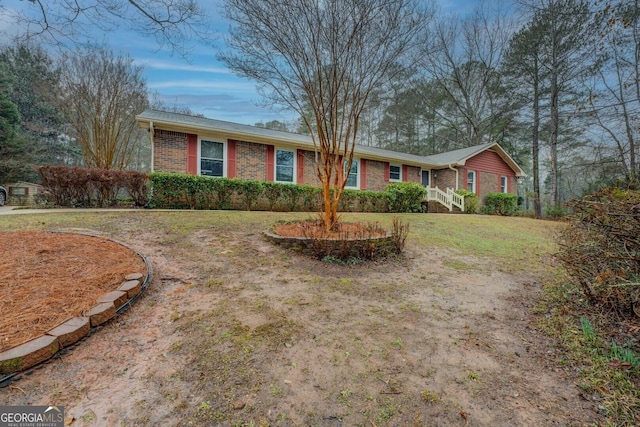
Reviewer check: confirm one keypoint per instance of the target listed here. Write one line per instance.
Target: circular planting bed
(55, 287)
(344, 242)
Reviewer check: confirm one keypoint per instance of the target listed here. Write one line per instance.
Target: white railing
(449, 199)
(456, 199)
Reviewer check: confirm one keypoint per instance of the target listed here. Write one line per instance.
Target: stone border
(332, 246)
(39, 350)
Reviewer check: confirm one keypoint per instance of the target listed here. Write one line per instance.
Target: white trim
(357, 162)
(225, 156)
(474, 187)
(395, 165)
(275, 165)
(504, 188)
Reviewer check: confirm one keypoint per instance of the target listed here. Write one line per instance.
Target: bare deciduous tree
(101, 94)
(328, 55)
(170, 22)
(615, 98)
(464, 70)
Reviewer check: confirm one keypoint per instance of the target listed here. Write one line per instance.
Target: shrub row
(78, 187)
(601, 248)
(180, 191)
(500, 204)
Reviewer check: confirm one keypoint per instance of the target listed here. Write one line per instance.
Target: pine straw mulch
(47, 278)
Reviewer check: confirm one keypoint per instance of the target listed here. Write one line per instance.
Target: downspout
(457, 172)
(151, 132)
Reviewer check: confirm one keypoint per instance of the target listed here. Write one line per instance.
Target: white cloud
(164, 65)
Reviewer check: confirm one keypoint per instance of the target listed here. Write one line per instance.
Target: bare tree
(328, 55)
(464, 71)
(101, 96)
(615, 99)
(170, 22)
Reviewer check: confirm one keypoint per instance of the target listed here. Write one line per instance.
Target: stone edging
(69, 332)
(305, 245)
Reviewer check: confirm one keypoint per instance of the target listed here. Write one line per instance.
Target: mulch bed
(47, 278)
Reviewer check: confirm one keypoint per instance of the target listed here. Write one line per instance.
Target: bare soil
(236, 331)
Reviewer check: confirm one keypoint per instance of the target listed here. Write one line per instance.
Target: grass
(609, 372)
(222, 356)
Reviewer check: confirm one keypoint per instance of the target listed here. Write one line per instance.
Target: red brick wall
(310, 175)
(446, 179)
(251, 161)
(413, 174)
(169, 151)
(375, 176)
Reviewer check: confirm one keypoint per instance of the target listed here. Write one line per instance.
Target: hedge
(180, 191)
(500, 204)
(79, 187)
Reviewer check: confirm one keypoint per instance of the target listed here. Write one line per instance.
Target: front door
(425, 178)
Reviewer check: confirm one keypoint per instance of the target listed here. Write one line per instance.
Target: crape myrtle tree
(323, 57)
(100, 96)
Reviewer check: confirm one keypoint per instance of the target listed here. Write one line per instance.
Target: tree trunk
(535, 144)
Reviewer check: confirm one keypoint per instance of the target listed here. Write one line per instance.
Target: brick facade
(310, 175)
(446, 178)
(255, 161)
(375, 175)
(170, 151)
(413, 174)
(251, 161)
(488, 183)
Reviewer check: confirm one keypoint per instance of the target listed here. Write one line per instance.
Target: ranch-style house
(201, 146)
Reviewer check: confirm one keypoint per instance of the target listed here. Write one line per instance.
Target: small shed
(21, 193)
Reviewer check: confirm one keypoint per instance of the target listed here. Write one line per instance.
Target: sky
(198, 81)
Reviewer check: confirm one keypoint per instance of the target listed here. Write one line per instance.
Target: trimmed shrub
(181, 191)
(500, 204)
(471, 201)
(405, 196)
(272, 192)
(250, 192)
(74, 186)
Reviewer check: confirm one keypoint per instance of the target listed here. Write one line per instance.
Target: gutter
(456, 171)
(151, 132)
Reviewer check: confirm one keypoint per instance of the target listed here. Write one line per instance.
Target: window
(18, 191)
(471, 181)
(395, 173)
(284, 166)
(211, 158)
(352, 179)
(503, 184)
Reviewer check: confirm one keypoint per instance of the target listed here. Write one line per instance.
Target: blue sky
(199, 81)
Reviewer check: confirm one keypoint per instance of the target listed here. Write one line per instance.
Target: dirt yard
(235, 332)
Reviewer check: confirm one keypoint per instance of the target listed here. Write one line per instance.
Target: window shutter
(192, 154)
(363, 174)
(232, 158)
(405, 173)
(387, 172)
(300, 178)
(271, 159)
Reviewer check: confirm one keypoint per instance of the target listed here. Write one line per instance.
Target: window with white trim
(211, 158)
(503, 184)
(395, 173)
(285, 166)
(352, 179)
(471, 181)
